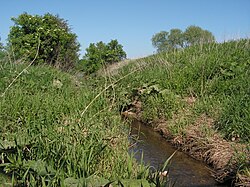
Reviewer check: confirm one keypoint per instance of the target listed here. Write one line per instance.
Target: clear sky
(133, 22)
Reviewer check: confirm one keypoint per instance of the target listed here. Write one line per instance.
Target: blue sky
(133, 22)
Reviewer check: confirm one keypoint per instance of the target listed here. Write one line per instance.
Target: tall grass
(216, 75)
(203, 90)
(45, 139)
(57, 130)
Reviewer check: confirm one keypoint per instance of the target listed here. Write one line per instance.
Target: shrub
(102, 54)
(58, 45)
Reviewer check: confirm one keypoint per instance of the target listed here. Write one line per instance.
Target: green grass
(58, 130)
(217, 75)
(47, 140)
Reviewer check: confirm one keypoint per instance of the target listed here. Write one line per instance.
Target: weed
(47, 139)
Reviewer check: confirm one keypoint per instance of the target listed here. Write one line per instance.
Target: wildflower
(163, 174)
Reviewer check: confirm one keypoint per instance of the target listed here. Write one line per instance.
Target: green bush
(58, 45)
(100, 54)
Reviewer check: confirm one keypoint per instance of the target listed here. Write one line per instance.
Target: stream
(183, 170)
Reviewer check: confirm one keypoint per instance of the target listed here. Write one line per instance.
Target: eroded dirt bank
(154, 150)
(201, 141)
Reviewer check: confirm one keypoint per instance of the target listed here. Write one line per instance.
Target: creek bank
(215, 151)
(154, 150)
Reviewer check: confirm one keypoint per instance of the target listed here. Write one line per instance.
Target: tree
(100, 54)
(177, 39)
(195, 35)
(114, 52)
(160, 41)
(58, 45)
(94, 57)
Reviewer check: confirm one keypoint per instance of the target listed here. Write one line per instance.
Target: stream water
(183, 169)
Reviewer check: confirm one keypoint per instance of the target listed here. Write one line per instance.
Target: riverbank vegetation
(198, 98)
(60, 127)
(51, 134)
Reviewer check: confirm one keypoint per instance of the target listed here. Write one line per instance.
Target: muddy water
(184, 170)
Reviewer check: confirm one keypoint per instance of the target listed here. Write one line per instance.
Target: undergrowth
(185, 87)
(216, 75)
(59, 130)
(47, 140)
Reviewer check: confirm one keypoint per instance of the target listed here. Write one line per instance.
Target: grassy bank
(59, 129)
(199, 99)
(52, 134)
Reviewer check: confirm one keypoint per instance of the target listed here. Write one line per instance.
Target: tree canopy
(100, 54)
(58, 45)
(176, 38)
(196, 35)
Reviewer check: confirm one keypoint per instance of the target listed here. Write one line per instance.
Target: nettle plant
(49, 34)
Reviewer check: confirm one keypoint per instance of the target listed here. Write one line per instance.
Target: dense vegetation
(2, 53)
(60, 129)
(216, 74)
(202, 90)
(101, 54)
(48, 35)
(47, 136)
(177, 39)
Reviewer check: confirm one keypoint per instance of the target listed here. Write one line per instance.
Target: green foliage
(235, 118)
(45, 140)
(157, 102)
(176, 39)
(160, 41)
(101, 54)
(202, 87)
(1, 45)
(194, 35)
(217, 75)
(58, 45)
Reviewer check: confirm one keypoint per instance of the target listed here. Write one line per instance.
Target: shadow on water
(183, 169)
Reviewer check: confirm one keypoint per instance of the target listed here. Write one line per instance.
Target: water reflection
(183, 169)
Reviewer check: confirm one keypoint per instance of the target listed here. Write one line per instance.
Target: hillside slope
(57, 130)
(199, 99)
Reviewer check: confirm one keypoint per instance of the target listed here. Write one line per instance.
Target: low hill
(57, 130)
(61, 129)
(198, 98)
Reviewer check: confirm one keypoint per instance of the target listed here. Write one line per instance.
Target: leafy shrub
(58, 45)
(100, 54)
